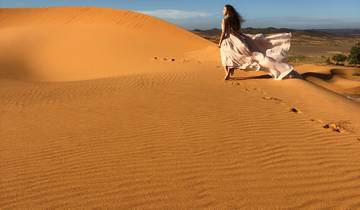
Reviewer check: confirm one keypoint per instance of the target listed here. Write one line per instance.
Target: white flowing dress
(259, 52)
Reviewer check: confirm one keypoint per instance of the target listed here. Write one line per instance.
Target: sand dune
(70, 44)
(122, 129)
(341, 80)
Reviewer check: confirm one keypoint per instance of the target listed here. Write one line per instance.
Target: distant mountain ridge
(342, 31)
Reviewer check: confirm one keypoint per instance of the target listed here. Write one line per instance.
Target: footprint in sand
(191, 60)
(340, 127)
(164, 59)
(236, 83)
(295, 110)
(269, 98)
(247, 89)
(318, 121)
(334, 127)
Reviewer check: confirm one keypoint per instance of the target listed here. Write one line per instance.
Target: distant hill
(343, 32)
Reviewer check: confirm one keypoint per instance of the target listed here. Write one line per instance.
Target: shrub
(297, 59)
(339, 58)
(354, 57)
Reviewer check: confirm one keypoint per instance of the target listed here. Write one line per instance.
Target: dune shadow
(252, 78)
(345, 74)
(318, 75)
(14, 67)
(322, 76)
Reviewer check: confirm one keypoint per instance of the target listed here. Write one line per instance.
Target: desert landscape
(113, 109)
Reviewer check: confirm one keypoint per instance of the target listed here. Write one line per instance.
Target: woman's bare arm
(223, 31)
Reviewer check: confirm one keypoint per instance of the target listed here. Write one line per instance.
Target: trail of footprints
(183, 60)
(339, 127)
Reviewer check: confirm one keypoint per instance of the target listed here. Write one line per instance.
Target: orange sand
(114, 109)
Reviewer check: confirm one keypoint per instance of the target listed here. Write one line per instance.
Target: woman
(252, 52)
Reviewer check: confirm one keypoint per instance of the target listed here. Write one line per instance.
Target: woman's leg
(295, 75)
(232, 71)
(227, 73)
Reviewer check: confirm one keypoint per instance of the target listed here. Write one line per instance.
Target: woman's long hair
(233, 18)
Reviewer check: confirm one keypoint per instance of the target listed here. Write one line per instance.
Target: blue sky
(207, 13)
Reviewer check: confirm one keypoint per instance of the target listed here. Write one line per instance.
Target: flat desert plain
(112, 109)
